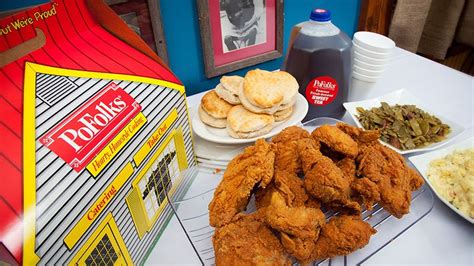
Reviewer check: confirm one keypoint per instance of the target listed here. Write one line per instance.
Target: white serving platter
(219, 135)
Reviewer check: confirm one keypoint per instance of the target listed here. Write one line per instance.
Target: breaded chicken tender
(288, 184)
(359, 135)
(299, 248)
(254, 167)
(336, 139)
(395, 181)
(286, 156)
(323, 179)
(247, 241)
(348, 168)
(300, 222)
(365, 192)
(340, 236)
(298, 226)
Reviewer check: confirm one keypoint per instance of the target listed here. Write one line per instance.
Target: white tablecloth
(442, 237)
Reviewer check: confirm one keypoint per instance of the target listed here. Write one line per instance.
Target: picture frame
(238, 34)
(144, 17)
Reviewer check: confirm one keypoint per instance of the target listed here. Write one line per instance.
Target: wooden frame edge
(206, 44)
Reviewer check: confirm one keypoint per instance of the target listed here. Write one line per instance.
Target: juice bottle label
(321, 90)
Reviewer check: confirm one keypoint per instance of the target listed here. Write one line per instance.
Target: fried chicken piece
(290, 134)
(394, 179)
(348, 168)
(416, 181)
(365, 192)
(340, 236)
(300, 222)
(254, 167)
(247, 241)
(336, 139)
(286, 156)
(288, 184)
(298, 226)
(299, 248)
(312, 203)
(361, 136)
(327, 151)
(323, 179)
(263, 196)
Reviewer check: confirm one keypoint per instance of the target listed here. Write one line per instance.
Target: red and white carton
(94, 134)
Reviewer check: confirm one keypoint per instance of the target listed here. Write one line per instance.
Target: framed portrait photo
(239, 33)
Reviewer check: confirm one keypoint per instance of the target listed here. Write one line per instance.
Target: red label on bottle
(321, 90)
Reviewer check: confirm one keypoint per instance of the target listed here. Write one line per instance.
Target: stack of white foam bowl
(371, 53)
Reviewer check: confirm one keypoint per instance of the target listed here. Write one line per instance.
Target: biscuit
(248, 135)
(211, 121)
(288, 105)
(248, 105)
(264, 91)
(242, 123)
(283, 114)
(229, 89)
(215, 106)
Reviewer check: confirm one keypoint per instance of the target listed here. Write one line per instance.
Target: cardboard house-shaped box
(94, 133)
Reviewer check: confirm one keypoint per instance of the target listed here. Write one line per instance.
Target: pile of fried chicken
(339, 168)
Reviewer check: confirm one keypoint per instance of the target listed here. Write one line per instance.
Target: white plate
(219, 135)
(422, 162)
(215, 151)
(404, 97)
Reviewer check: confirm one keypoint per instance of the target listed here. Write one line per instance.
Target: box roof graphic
(64, 35)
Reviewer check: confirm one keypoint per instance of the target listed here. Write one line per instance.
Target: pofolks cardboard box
(94, 132)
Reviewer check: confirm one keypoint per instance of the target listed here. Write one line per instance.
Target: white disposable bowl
(369, 60)
(367, 72)
(373, 67)
(364, 77)
(373, 41)
(370, 53)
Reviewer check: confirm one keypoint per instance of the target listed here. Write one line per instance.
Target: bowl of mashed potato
(450, 174)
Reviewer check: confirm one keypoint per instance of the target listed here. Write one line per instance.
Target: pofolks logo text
(86, 131)
(321, 90)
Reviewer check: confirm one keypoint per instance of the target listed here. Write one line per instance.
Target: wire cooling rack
(191, 209)
(190, 204)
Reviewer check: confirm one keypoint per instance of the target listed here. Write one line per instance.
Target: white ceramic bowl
(373, 41)
(367, 59)
(422, 163)
(367, 72)
(370, 53)
(363, 77)
(373, 67)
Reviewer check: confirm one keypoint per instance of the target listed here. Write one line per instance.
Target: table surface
(442, 237)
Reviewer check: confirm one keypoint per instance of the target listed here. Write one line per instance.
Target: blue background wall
(15, 4)
(184, 41)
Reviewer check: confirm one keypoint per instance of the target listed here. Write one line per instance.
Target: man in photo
(244, 17)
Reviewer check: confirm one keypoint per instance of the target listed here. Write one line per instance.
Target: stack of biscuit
(273, 93)
(249, 107)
